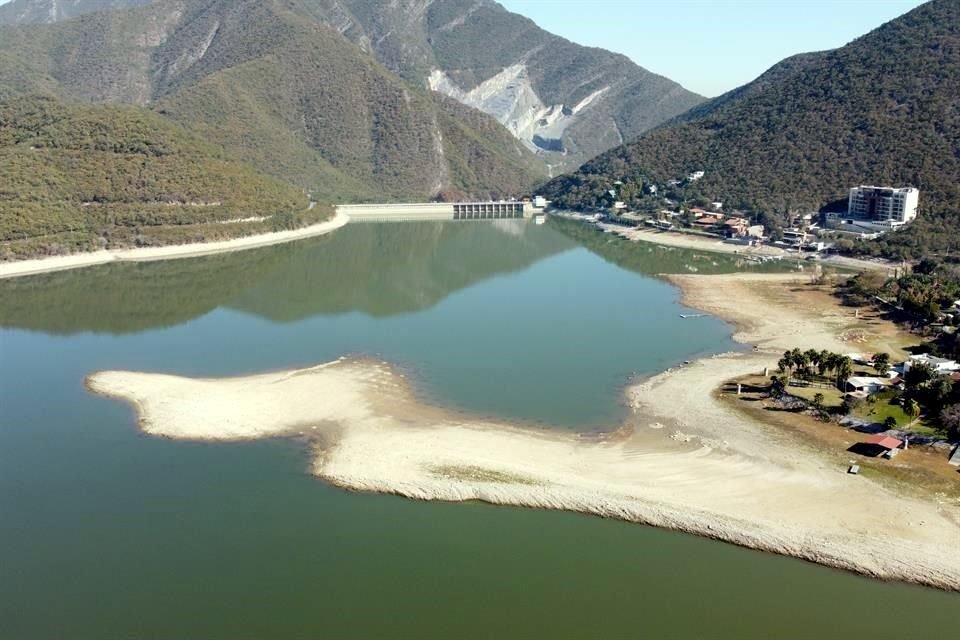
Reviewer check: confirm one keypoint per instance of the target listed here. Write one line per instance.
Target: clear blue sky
(710, 46)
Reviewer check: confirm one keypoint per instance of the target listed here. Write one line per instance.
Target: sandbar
(704, 469)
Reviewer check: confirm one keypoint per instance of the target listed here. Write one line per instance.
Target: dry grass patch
(471, 473)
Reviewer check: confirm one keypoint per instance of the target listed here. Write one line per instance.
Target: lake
(107, 533)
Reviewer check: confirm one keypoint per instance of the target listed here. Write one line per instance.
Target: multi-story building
(883, 205)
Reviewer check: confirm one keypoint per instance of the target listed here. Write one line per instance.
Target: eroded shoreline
(707, 471)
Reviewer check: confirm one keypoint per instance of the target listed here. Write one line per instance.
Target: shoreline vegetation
(684, 458)
(167, 252)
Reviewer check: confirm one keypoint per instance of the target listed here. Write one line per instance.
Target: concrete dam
(492, 210)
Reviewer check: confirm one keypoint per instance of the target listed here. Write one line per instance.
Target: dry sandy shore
(703, 469)
(80, 260)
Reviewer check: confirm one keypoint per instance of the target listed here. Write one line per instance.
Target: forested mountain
(884, 109)
(47, 11)
(564, 101)
(276, 88)
(81, 177)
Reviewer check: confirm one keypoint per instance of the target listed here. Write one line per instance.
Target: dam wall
(492, 210)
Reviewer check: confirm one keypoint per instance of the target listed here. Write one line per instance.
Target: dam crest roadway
(425, 211)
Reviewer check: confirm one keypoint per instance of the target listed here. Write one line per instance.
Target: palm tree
(812, 356)
(823, 362)
(799, 359)
(844, 370)
(833, 361)
(785, 364)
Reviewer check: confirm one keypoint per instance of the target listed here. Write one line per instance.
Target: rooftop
(929, 359)
(887, 442)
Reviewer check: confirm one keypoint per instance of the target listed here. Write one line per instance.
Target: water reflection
(377, 269)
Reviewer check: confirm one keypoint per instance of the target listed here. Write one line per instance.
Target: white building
(864, 384)
(939, 365)
(886, 206)
(696, 175)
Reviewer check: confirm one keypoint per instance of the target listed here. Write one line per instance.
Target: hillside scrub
(79, 177)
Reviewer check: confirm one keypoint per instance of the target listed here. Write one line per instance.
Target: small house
(863, 384)
(887, 446)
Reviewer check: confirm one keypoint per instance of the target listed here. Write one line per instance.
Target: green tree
(881, 363)
(777, 387)
(818, 399)
(818, 406)
(937, 393)
(917, 376)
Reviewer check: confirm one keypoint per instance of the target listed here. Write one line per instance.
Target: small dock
(955, 457)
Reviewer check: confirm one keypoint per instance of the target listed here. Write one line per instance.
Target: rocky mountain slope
(277, 88)
(884, 109)
(564, 101)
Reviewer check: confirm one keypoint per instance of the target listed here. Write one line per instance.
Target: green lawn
(831, 396)
(880, 410)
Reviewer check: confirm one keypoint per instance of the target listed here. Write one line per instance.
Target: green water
(106, 533)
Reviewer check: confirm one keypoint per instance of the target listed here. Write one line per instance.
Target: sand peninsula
(683, 460)
(169, 252)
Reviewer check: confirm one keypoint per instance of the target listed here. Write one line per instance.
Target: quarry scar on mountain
(510, 97)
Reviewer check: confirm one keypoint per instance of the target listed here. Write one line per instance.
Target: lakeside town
(870, 212)
(888, 404)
